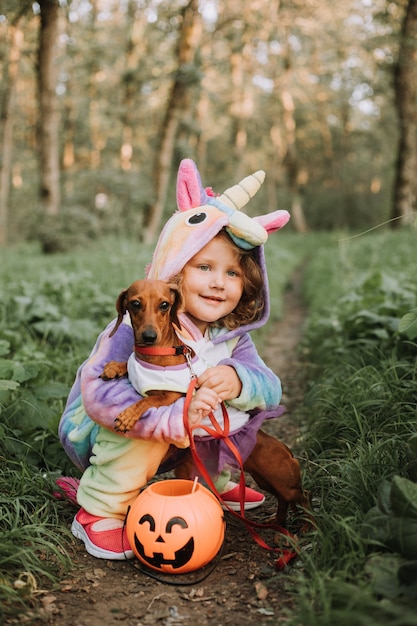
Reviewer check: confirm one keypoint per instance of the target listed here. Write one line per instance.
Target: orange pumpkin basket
(175, 526)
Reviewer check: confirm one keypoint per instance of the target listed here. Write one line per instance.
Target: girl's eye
(232, 273)
(204, 268)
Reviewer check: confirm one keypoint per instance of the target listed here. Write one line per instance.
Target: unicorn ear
(190, 191)
(273, 221)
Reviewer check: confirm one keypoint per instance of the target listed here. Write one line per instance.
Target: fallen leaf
(261, 591)
(46, 600)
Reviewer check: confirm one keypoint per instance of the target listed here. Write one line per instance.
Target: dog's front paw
(114, 369)
(119, 427)
(124, 421)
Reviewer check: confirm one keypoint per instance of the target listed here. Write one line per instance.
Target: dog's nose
(149, 335)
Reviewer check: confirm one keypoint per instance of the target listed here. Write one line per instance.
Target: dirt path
(244, 588)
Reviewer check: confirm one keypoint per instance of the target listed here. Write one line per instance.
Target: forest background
(99, 102)
(101, 99)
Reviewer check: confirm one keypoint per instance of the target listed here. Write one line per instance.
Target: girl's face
(212, 283)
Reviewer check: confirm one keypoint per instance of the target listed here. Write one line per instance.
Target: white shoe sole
(248, 506)
(100, 553)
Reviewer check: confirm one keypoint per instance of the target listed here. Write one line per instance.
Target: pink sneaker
(232, 497)
(103, 537)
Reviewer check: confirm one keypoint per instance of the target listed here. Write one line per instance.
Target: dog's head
(153, 307)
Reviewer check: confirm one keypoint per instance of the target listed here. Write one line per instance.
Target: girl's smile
(212, 283)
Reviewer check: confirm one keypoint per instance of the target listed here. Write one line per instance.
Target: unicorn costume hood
(200, 216)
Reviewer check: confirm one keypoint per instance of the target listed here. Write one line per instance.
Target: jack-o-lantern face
(160, 557)
(174, 527)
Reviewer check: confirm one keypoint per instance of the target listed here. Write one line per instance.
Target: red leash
(285, 555)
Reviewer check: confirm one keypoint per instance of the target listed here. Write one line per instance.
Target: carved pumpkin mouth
(181, 558)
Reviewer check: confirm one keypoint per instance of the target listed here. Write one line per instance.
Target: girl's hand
(202, 403)
(222, 379)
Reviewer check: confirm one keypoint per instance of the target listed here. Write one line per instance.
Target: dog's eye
(135, 305)
(164, 306)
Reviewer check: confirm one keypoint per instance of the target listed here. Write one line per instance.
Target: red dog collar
(161, 351)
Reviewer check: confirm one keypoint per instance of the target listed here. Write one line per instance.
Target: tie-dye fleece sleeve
(261, 387)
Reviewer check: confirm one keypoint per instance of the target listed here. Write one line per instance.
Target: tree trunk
(405, 187)
(97, 141)
(48, 104)
(178, 103)
(291, 160)
(135, 50)
(7, 122)
(241, 106)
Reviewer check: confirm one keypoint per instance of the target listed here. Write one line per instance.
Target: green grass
(52, 308)
(358, 421)
(32, 534)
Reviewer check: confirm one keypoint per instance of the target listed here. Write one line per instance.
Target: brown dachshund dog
(274, 469)
(153, 306)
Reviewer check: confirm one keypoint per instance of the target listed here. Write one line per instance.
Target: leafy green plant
(408, 324)
(52, 309)
(392, 526)
(393, 523)
(359, 417)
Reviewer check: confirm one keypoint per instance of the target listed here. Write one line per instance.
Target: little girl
(215, 254)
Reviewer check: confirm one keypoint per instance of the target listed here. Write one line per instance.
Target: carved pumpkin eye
(175, 521)
(150, 519)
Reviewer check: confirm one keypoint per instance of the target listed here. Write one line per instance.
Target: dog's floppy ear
(121, 308)
(176, 305)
